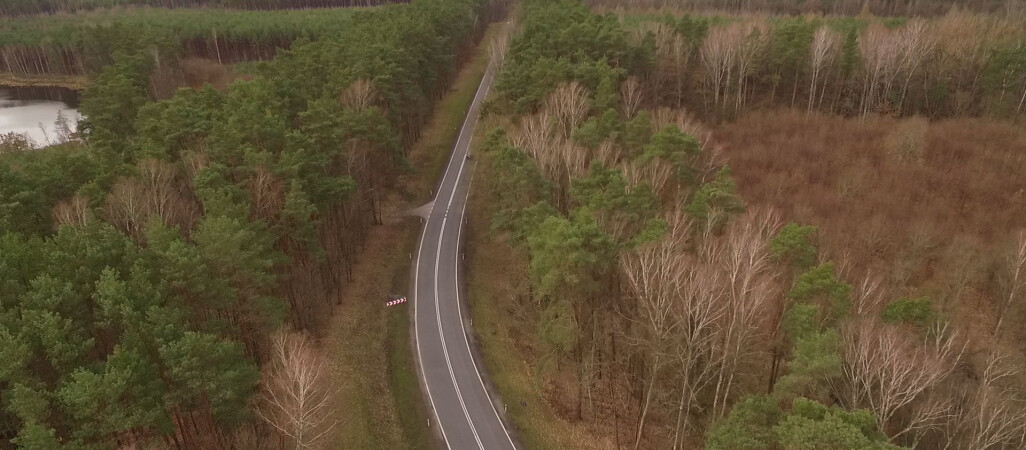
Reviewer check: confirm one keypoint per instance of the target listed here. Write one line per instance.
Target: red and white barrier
(396, 301)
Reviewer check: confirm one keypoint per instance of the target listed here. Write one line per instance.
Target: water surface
(34, 112)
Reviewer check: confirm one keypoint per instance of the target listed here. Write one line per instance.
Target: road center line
(441, 336)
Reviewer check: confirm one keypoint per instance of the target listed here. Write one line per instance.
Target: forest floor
(368, 345)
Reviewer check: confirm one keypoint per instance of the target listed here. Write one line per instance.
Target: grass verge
(364, 341)
(505, 327)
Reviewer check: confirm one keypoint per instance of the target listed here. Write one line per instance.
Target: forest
(759, 232)
(30, 7)
(161, 267)
(925, 8)
(82, 44)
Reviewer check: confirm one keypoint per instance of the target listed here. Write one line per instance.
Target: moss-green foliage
(562, 41)
(793, 246)
(913, 311)
(814, 426)
(758, 422)
(748, 426)
(675, 147)
(815, 363)
(605, 194)
(115, 326)
(715, 201)
(820, 286)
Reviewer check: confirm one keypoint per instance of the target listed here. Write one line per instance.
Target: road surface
(460, 405)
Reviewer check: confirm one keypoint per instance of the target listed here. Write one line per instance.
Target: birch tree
(297, 394)
(1016, 280)
(825, 45)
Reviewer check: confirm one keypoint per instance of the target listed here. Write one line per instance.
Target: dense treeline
(684, 315)
(144, 268)
(25, 7)
(955, 65)
(82, 43)
(838, 7)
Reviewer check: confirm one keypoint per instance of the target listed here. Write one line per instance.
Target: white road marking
(445, 350)
(416, 334)
(416, 279)
(467, 341)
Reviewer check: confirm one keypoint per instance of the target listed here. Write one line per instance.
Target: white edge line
(441, 337)
(416, 272)
(416, 333)
(459, 308)
(459, 137)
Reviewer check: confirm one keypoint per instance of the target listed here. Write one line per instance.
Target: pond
(36, 112)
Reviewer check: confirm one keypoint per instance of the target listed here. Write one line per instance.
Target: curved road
(461, 406)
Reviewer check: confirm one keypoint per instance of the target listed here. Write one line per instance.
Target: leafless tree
(653, 274)
(296, 395)
(358, 96)
(887, 371)
(498, 48)
(125, 206)
(995, 418)
(915, 43)
(569, 105)
(72, 212)
(671, 62)
(193, 162)
(867, 297)
(880, 54)
(161, 190)
(655, 172)
(753, 41)
(825, 45)
(719, 50)
(700, 309)
(631, 94)
(1016, 280)
(748, 274)
(267, 192)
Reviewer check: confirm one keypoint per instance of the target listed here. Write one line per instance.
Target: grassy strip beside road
(369, 346)
(505, 327)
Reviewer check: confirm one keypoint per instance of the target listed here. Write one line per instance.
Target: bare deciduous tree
(652, 273)
(296, 394)
(886, 371)
(193, 162)
(125, 206)
(569, 105)
(72, 212)
(880, 54)
(267, 191)
(358, 96)
(631, 95)
(672, 56)
(915, 42)
(1016, 280)
(825, 45)
(744, 259)
(718, 54)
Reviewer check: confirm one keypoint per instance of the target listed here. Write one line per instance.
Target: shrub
(914, 311)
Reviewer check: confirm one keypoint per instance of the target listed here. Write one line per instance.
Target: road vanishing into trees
(467, 416)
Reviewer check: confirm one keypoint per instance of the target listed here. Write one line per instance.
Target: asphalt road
(462, 409)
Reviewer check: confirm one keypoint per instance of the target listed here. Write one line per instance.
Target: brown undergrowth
(932, 207)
